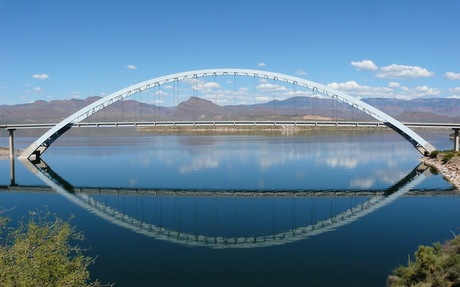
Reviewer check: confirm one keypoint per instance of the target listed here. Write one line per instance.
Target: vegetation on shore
(447, 163)
(437, 265)
(444, 156)
(40, 252)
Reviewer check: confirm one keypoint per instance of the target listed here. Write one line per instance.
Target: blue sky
(52, 50)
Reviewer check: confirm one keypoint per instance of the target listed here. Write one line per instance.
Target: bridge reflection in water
(227, 219)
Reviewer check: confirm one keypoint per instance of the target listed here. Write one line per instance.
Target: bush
(437, 265)
(444, 156)
(434, 154)
(448, 156)
(39, 253)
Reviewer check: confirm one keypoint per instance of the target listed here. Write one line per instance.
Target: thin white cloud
(402, 71)
(296, 93)
(211, 85)
(40, 76)
(262, 64)
(131, 67)
(344, 86)
(36, 90)
(160, 93)
(355, 89)
(393, 90)
(452, 76)
(454, 93)
(267, 87)
(424, 91)
(205, 87)
(301, 72)
(394, 85)
(75, 95)
(263, 99)
(365, 65)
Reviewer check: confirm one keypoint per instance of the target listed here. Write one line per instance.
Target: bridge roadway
(232, 123)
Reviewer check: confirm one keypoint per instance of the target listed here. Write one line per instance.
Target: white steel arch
(42, 143)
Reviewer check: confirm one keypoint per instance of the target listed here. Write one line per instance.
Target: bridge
(37, 148)
(84, 197)
(282, 123)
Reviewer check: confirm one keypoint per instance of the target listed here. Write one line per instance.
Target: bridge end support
(426, 149)
(32, 153)
(11, 156)
(456, 139)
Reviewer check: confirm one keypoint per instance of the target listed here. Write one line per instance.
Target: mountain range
(296, 108)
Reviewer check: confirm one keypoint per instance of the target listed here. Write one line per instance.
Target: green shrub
(437, 265)
(39, 253)
(448, 156)
(434, 154)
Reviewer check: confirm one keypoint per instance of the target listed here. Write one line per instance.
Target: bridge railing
(232, 123)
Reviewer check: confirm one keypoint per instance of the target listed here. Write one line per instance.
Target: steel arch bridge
(37, 148)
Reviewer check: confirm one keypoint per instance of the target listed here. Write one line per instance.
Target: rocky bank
(449, 169)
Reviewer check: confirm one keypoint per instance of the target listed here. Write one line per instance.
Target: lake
(321, 208)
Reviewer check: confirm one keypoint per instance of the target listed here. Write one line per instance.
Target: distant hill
(297, 108)
(420, 110)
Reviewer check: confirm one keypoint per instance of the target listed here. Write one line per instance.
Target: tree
(40, 253)
(437, 265)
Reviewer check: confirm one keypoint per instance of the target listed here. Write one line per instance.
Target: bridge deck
(232, 123)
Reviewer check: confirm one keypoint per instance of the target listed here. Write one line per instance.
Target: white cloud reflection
(332, 155)
(199, 163)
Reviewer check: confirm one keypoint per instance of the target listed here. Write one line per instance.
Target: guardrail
(230, 123)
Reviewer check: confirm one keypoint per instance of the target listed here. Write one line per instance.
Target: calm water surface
(326, 208)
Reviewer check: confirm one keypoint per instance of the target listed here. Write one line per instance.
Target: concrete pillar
(11, 140)
(12, 161)
(456, 141)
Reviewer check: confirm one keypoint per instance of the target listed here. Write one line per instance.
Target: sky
(55, 50)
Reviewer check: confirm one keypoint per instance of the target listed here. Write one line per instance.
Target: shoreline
(449, 170)
(4, 152)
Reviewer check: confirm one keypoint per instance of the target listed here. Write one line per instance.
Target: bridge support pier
(11, 141)
(11, 154)
(456, 139)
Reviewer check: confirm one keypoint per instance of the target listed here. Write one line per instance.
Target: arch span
(36, 149)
